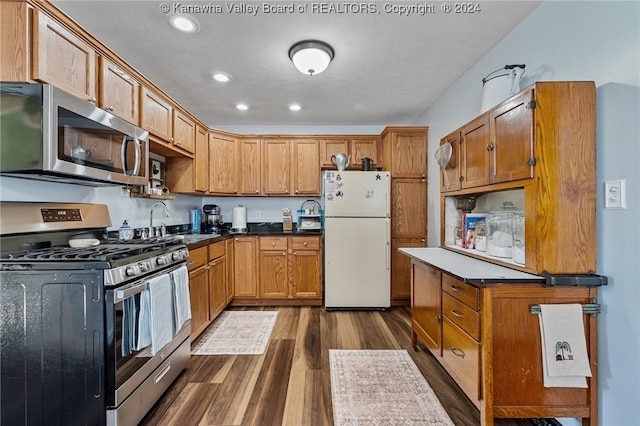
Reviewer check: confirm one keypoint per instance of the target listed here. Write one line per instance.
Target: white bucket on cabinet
(500, 84)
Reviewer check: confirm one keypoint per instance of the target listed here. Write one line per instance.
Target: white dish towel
(160, 290)
(565, 362)
(181, 300)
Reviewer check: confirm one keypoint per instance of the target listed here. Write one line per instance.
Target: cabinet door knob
(305, 243)
(490, 146)
(284, 253)
(171, 139)
(110, 109)
(273, 244)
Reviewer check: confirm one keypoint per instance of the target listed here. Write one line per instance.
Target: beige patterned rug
(381, 387)
(237, 333)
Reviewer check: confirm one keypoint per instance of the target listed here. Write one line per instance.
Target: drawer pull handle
(456, 289)
(457, 352)
(456, 314)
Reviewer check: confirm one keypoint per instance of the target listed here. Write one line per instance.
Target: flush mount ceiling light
(311, 57)
(242, 107)
(183, 23)
(295, 107)
(221, 77)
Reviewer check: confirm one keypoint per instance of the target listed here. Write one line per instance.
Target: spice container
(125, 232)
(481, 236)
(499, 232)
(517, 229)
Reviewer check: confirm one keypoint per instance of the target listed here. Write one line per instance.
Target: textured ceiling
(388, 68)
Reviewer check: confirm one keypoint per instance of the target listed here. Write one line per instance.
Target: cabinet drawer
(198, 257)
(216, 250)
(461, 315)
(306, 243)
(465, 293)
(273, 243)
(461, 357)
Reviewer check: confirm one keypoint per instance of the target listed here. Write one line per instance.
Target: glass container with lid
(518, 237)
(499, 230)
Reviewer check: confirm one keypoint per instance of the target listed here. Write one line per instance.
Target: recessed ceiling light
(242, 107)
(295, 107)
(184, 23)
(221, 77)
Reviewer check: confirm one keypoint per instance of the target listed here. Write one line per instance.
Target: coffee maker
(212, 218)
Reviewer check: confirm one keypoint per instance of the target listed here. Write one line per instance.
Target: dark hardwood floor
(290, 383)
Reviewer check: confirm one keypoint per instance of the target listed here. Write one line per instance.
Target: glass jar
(517, 229)
(499, 232)
(458, 236)
(481, 236)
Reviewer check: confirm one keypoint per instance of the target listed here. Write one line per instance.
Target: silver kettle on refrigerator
(341, 161)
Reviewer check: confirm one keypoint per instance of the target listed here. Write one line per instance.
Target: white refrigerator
(357, 235)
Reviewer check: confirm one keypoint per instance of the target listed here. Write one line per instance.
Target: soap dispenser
(125, 232)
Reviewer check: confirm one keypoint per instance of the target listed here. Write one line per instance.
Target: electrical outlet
(614, 194)
(258, 215)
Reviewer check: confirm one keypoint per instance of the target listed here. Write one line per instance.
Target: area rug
(237, 333)
(381, 387)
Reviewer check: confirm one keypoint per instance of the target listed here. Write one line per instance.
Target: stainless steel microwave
(46, 133)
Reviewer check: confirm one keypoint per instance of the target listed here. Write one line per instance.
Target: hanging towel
(144, 325)
(181, 300)
(565, 362)
(161, 296)
(129, 320)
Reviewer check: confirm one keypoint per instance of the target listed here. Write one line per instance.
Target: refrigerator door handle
(388, 244)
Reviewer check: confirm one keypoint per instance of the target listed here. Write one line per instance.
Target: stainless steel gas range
(89, 335)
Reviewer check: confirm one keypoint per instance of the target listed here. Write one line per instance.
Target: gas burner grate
(69, 253)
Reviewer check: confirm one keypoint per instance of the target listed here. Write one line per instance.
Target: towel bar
(592, 308)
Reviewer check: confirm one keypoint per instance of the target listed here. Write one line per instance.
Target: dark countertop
(194, 241)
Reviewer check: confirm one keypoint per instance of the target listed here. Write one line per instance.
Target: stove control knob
(132, 270)
(144, 266)
(176, 255)
(161, 260)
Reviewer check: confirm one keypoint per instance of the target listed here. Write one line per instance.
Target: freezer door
(357, 263)
(356, 194)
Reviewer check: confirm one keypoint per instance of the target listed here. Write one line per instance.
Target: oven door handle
(127, 292)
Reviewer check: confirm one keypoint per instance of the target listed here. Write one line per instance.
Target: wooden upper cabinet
(475, 152)
(201, 159)
(15, 18)
(223, 161)
(452, 170)
(363, 148)
(357, 148)
(119, 92)
(250, 166)
(512, 139)
(306, 167)
(405, 152)
(331, 147)
(276, 167)
(61, 58)
(156, 115)
(184, 131)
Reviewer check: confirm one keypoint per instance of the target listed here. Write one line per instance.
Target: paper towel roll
(239, 219)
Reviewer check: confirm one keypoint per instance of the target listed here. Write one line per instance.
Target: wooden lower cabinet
(289, 271)
(487, 339)
(207, 285)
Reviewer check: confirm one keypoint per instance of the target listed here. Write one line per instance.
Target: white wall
(577, 40)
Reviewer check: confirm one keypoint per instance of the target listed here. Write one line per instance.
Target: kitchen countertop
(469, 269)
(261, 229)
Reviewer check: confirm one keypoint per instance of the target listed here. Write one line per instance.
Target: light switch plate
(614, 194)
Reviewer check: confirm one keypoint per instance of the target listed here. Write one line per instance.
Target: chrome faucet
(168, 214)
